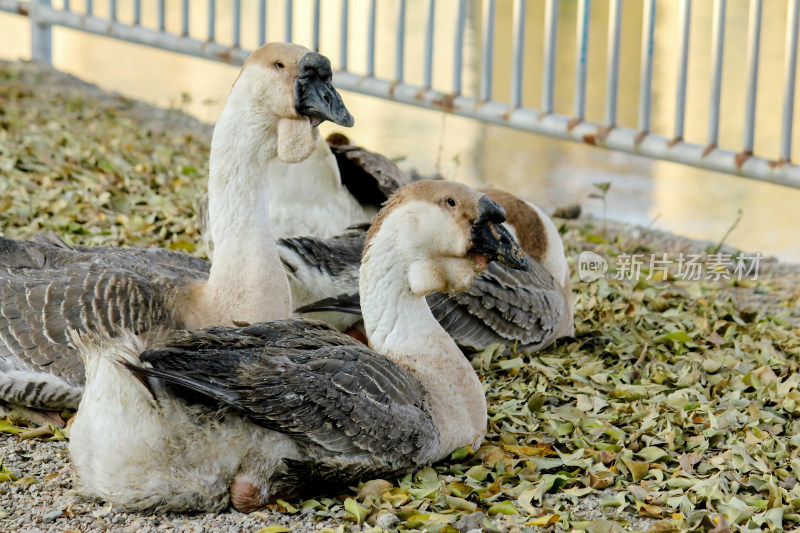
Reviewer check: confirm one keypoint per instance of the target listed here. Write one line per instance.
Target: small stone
(470, 523)
(51, 517)
(387, 521)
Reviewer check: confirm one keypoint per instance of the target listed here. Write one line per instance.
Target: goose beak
(492, 240)
(314, 95)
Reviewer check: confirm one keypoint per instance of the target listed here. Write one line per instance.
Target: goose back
(48, 288)
(352, 413)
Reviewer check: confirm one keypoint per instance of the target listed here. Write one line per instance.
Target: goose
(525, 309)
(245, 415)
(282, 94)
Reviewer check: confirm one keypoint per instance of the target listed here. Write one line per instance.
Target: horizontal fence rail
(475, 28)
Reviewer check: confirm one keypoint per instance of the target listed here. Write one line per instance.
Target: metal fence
(486, 104)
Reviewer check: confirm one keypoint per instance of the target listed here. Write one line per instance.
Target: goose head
(446, 233)
(289, 85)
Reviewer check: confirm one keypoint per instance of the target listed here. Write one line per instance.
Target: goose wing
(371, 178)
(48, 288)
(527, 309)
(342, 402)
(319, 268)
(338, 257)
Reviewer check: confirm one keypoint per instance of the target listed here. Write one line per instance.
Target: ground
(675, 406)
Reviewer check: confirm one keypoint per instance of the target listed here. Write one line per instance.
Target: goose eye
(451, 202)
(279, 64)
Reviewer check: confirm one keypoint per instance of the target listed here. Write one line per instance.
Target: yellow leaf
(530, 451)
(274, 529)
(638, 469)
(544, 520)
(359, 512)
(288, 507)
(374, 487)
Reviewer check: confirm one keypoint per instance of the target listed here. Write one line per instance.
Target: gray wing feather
(505, 306)
(337, 256)
(300, 377)
(48, 288)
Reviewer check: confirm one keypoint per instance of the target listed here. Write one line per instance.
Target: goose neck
(400, 326)
(247, 281)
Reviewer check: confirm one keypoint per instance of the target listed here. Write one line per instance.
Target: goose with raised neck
(250, 414)
(48, 288)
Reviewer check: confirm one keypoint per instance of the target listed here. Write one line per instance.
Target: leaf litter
(674, 408)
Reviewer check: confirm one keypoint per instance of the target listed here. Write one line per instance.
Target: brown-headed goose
(525, 309)
(47, 288)
(255, 413)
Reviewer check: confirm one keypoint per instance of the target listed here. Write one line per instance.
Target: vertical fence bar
(612, 63)
(518, 51)
(315, 26)
(41, 35)
(345, 14)
(137, 12)
(371, 38)
(287, 26)
(646, 77)
(790, 68)
(753, 48)
(89, 7)
(458, 46)
(685, 16)
(550, 44)
(262, 22)
(237, 23)
(487, 45)
(430, 9)
(400, 42)
(717, 52)
(582, 50)
(185, 17)
(112, 10)
(162, 15)
(66, 5)
(212, 15)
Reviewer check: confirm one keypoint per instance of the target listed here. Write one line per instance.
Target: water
(672, 197)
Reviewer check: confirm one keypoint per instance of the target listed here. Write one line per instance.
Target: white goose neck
(247, 281)
(400, 326)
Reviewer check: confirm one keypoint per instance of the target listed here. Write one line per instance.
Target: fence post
(41, 34)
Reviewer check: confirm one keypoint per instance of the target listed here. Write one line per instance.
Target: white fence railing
(477, 21)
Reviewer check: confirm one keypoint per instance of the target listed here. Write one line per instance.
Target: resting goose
(255, 413)
(525, 309)
(47, 288)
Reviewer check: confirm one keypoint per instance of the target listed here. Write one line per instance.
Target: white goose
(251, 414)
(48, 288)
(525, 309)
